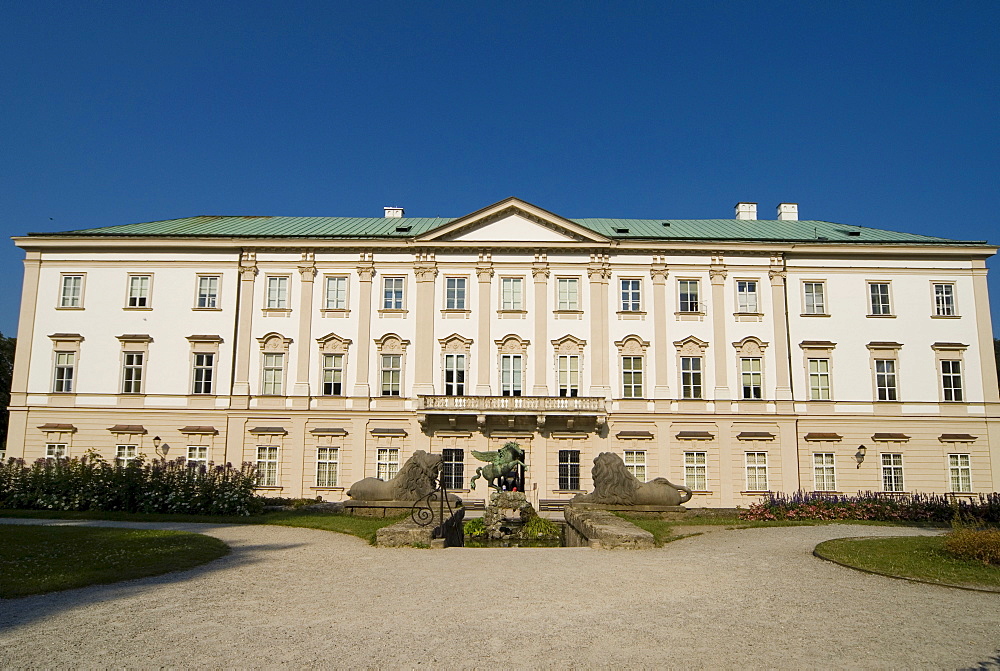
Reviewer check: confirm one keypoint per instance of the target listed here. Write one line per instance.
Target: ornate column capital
(484, 273)
(777, 274)
(307, 273)
(248, 272)
(717, 275)
(366, 272)
(659, 274)
(540, 272)
(425, 272)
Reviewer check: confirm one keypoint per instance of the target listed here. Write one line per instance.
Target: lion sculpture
(417, 477)
(613, 484)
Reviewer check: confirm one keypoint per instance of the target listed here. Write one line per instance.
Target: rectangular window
(568, 367)
(333, 374)
(688, 296)
(511, 293)
(756, 471)
(274, 374)
(632, 376)
(960, 472)
(815, 295)
(204, 367)
(510, 374)
(71, 293)
(878, 294)
(336, 293)
(124, 454)
(197, 455)
(132, 372)
(751, 378)
(746, 296)
(819, 379)
(267, 466)
(569, 469)
(453, 469)
(327, 461)
(690, 377)
(392, 293)
(138, 291)
(454, 293)
(885, 379)
(951, 379)
(631, 296)
(824, 475)
(64, 370)
(208, 291)
(696, 471)
(892, 473)
(277, 293)
(388, 463)
(454, 375)
(635, 463)
(944, 300)
(392, 371)
(58, 451)
(568, 289)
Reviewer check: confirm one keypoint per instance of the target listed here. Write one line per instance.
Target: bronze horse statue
(499, 464)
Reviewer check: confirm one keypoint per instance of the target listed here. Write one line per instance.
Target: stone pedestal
(506, 513)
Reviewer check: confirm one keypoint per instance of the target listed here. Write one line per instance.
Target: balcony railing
(526, 405)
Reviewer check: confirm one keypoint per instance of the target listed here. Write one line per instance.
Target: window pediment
(333, 344)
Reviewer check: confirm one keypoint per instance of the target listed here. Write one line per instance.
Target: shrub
(876, 506)
(475, 528)
(539, 527)
(976, 544)
(159, 486)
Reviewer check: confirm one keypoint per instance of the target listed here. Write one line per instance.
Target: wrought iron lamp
(859, 456)
(157, 441)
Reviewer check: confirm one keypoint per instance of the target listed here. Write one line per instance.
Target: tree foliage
(6, 376)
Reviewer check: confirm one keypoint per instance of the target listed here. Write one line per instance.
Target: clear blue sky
(880, 114)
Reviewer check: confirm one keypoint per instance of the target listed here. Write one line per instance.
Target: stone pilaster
(540, 274)
(307, 274)
(599, 274)
(366, 271)
(423, 382)
(484, 274)
(779, 308)
(661, 384)
(243, 347)
(717, 275)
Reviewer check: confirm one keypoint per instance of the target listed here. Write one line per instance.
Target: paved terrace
(294, 598)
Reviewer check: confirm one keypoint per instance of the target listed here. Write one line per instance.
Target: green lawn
(39, 559)
(362, 527)
(920, 557)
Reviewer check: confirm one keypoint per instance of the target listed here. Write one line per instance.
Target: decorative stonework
(512, 344)
(366, 273)
(632, 345)
(425, 272)
(751, 346)
(569, 344)
(540, 272)
(332, 343)
(484, 273)
(274, 342)
(391, 343)
(659, 274)
(455, 344)
(691, 346)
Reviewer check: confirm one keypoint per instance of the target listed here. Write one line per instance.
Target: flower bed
(875, 506)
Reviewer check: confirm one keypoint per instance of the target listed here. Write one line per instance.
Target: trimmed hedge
(159, 486)
(876, 506)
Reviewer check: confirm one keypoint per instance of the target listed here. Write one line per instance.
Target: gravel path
(294, 598)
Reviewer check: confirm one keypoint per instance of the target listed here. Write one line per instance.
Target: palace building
(734, 356)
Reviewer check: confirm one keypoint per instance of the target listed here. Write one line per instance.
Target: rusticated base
(387, 508)
(652, 512)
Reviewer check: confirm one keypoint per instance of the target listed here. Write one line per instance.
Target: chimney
(746, 210)
(393, 212)
(788, 212)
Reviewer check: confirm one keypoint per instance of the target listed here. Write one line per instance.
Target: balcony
(594, 407)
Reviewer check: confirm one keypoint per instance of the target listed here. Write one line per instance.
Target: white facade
(757, 359)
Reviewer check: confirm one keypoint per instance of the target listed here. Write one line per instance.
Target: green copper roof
(408, 227)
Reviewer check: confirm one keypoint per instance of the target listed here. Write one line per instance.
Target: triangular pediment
(512, 220)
